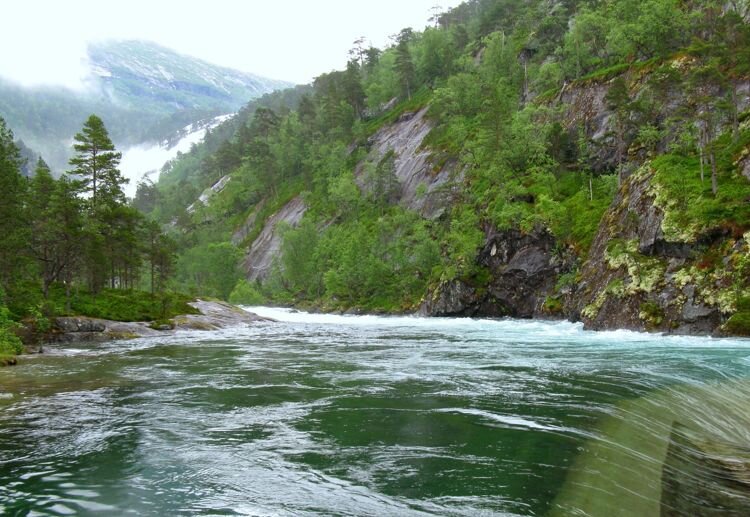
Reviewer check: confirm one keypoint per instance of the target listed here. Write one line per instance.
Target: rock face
(211, 191)
(265, 248)
(213, 315)
(241, 233)
(424, 186)
(637, 278)
(523, 270)
(585, 106)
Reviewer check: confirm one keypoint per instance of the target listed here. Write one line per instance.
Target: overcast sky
(43, 42)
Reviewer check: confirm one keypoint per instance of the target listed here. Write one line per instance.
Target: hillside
(577, 159)
(143, 91)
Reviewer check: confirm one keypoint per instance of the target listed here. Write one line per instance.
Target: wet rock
(523, 270)
(265, 248)
(704, 476)
(453, 298)
(425, 184)
(213, 315)
(635, 278)
(80, 324)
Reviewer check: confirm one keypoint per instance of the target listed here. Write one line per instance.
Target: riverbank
(212, 315)
(209, 315)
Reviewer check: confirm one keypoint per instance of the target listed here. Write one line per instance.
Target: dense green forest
(543, 115)
(74, 245)
(494, 75)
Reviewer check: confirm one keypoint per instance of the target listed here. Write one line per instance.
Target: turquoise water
(350, 415)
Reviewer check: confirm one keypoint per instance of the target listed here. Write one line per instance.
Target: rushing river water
(348, 415)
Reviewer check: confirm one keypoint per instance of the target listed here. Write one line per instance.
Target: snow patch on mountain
(145, 161)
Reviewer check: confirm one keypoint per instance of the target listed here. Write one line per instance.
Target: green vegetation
(516, 93)
(73, 246)
(120, 304)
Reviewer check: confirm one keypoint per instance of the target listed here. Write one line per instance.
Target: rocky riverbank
(213, 315)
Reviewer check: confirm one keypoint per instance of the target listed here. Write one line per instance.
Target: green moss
(651, 313)
(739, 324)
(162, 324)
(616, 288)
(553, 305)
(591, 311)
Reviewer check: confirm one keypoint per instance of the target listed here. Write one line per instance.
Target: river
(365, 415)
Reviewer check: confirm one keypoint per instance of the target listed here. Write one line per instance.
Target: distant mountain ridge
(136, 71)
(144, 93)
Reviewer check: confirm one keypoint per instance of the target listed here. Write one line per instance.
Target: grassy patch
(689, 206)
(418, 101)
(739, 324)
(122, 305)
(603, 74)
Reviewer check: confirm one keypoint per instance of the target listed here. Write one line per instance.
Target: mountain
(142, 91)
(571, 159)
(143, 75)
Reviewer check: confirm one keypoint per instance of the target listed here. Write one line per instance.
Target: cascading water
(369, 415)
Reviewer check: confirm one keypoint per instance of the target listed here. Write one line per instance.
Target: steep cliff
(521, 270)
(424, 185)
(264, 250)
(645, 273)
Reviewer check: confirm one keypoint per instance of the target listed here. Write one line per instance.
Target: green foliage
(378, 260)
(10, 344)
(245, 293)
(739, 324)
(689, 205)
(209, 269)
(523, 161)
(121, 304)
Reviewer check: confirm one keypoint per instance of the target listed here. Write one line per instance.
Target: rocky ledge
(213, 315)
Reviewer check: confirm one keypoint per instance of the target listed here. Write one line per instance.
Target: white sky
(43, 42)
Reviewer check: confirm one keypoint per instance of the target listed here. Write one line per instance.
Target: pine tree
(12, 227)
(404, 66)
(96, 163)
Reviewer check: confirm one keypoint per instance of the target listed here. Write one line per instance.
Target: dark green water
(360, 416)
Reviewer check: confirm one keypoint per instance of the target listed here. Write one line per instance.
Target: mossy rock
(651, 313)
(739, 324)
(8, 360)
(553, 305)
(162, 325)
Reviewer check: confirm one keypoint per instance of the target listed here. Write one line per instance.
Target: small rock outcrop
(265, 248)
(213, 315)
(523, 270)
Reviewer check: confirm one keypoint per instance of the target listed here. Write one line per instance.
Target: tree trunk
(735, 114)
(714, 179)
(67, 294)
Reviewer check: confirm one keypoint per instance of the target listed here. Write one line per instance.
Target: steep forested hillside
(143, 91)
(577, 159)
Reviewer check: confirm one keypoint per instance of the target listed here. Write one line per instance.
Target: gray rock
(414, 165)
(213, 315)
(523, 267)
(266, 247)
